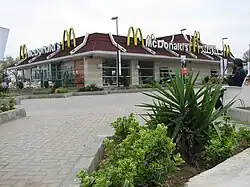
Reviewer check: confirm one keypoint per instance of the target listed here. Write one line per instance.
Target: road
(41, 149)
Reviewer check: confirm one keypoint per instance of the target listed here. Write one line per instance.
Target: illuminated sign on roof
(152, 42)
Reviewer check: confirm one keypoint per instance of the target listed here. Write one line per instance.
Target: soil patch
(179, 178)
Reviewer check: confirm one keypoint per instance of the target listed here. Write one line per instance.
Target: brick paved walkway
(41, 149)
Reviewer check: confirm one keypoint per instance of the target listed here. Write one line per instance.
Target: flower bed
(7, 105)
(141, 156)
(183, 136)
(90, 88)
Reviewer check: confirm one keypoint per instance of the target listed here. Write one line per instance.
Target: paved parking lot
(41, 149)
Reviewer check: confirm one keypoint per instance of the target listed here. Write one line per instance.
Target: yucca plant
(189, 114)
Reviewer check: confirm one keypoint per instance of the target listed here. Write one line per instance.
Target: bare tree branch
(246, 56)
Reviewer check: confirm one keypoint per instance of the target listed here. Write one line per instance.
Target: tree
(5, 63)
(246, 56)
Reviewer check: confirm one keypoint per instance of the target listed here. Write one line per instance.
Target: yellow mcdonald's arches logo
(68, 35)
(135, 34)
(195, 42)
(23, 54)
(226, 50)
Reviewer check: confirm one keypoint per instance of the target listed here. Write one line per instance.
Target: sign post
(184, 71)
(225, 66)
(4, 33)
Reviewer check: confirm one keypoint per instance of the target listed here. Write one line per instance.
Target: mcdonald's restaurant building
(80, 61)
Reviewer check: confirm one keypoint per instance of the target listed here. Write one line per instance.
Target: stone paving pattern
(41, 149)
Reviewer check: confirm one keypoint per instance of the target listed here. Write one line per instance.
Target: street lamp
(223, 65)
(183, 30)
(118, 60)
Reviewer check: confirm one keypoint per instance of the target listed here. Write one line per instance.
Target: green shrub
(124, 126)
(220, 148)
(3, 89)
(143, 158)
(8, 106)
(189, 114)
(12, 103)
(229, 143)
(41, 91)
(149, 85)
(57, 84)
(243, 138)
(213, 80)
(20, 84)
(91, 87)
(61, 90)
(3, 94)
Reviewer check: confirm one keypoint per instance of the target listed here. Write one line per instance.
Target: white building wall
(27, 73)
(170, 64)
(203, 67)
(93, 71)
(134, 72)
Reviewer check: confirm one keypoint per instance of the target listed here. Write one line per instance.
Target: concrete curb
(239, 114)
(230, 173)
(42, 96)
(89, 93)
(131, 90)
(88, 161)
(105, 92)
(12, 115)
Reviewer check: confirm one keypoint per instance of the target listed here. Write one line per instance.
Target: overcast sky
(37, 23)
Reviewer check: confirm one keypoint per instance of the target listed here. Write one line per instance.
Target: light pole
(117, 53)
(183, 30)
(223, 65)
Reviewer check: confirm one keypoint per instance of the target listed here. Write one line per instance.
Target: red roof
(102, 42)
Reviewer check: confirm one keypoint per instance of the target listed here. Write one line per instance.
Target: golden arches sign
(68, 35)
(195, 42)
(226, 51)
(23, 53)
(135, 34)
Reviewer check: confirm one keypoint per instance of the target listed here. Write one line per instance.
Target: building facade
(92, 58)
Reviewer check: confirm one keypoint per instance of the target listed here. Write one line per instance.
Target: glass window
(110, 72)
(109, 63)
(126, 72)
(146, 72)
(109, 81)
(146, 64)
(126, 63)
(145, 80)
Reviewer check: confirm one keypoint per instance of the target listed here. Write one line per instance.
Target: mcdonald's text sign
(44, 50)
(155, 43)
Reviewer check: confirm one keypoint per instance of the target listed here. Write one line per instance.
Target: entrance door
(79, 73)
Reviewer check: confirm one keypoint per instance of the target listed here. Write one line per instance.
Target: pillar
(134, 72)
